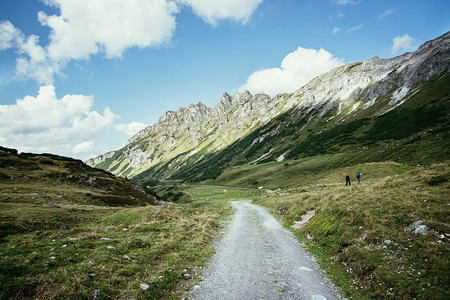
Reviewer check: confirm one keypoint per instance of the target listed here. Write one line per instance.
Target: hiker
(358, 176)
(347, 180)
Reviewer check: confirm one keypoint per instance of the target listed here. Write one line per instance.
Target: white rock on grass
(417, 227)
(144, 286)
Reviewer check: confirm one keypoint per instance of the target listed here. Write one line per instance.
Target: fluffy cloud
(402, 44)
(297, 68)
(212, 11)
(86, 27)
(89, 27)
(45, 123)
(33, 62)
(130, 129)
(9, 35)
(84, 147)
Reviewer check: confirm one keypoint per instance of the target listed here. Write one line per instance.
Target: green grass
(110, 249)
(67, 230)
(353, 225)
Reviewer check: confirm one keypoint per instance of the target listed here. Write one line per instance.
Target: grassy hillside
(360, 232)
(67, 235)
(46, 179)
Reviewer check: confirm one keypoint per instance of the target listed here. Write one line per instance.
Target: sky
(79, 78)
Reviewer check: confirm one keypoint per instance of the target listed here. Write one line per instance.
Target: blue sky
(77, 78)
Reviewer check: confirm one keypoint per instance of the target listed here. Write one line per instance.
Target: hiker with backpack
(358, 176)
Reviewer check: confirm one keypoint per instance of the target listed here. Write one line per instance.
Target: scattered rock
(318, 185)
(92, 275)
(417, 227)
(52, 257)
(419, 187)
(187, 276)
(105, 239)
(126, 257)
(144, 286)
(110, 247)
(95, 294)
(305, 219)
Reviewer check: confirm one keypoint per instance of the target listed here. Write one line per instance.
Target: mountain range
(379, 109)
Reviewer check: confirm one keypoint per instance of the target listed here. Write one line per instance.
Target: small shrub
(437, 180)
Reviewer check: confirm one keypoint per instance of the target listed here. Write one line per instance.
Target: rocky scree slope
(198, 141)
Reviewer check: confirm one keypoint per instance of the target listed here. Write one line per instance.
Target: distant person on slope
(358, 176)
(347, 180)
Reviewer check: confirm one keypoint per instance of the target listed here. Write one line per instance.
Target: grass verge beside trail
(360, 233)
(110, 251)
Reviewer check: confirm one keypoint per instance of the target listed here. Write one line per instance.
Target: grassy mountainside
(416, 131)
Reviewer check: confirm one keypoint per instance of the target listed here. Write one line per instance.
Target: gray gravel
(258, 259)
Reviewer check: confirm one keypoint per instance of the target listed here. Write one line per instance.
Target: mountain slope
(49, 180)
(357, 105)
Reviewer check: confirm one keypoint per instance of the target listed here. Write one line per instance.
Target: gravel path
(258, 259)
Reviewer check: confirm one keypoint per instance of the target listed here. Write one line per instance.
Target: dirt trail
(258, 259)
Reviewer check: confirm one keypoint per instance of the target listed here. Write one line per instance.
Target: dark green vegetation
(68, 231)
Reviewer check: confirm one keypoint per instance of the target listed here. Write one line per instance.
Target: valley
(142, 221)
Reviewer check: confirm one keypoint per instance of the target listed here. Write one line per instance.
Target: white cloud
(335, 17)
(37, 66)
(84, 147)
(9, 35)
(45, 123)
(297, 69)
(130, 129)
(386, 13)
(86, 27)
(33, 62)
(212, 11)
(345, 2)
(336, 30)
(402, 44)
(89, 27)
(350, 30)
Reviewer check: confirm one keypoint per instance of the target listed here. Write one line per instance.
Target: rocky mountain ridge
(182, 138)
